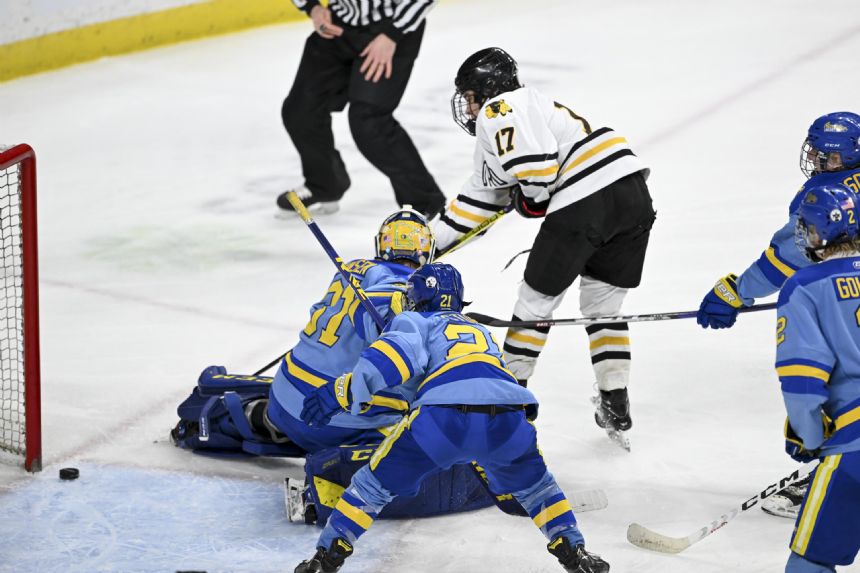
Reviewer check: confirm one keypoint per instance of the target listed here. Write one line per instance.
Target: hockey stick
(482, 226)
(641, 536)
(492, 321)
(338, 262)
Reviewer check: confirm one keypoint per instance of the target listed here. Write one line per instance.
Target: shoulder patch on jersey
(497, 108)
(489, 177)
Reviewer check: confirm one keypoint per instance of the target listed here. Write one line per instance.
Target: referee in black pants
(361, 53)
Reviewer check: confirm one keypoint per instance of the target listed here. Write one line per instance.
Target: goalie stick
(492, 321)
(641, 536)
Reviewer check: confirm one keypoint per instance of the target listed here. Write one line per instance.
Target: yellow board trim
(594, 151)
(802, 370)
(814, 499)
(526, 338)
(394, 357)
(847, 418)
(770, 254)
(140, 32)
(359, 517)
(465, 214)
(609, 341)
(551, 512)
(302, 374)
(552, 170)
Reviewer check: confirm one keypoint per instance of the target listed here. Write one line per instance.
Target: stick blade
(643, 537)
(587, 500)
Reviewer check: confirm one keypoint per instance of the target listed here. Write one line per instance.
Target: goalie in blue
(258, 415)
(818, 363)
(464, 405)
(830, 154)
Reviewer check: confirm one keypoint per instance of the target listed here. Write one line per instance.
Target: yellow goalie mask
(405, 236)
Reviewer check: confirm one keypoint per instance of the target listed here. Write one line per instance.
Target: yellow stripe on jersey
(781, 266)
(551, 512)
(395, 358)
(814, 499)
(303, 374)
(609, 341)
(389, 402)
(847, 418)
(594, 151)
(526, 338)
(803, 370)
(465, 214)
(467, 359)
(552, 170)
(355, 514)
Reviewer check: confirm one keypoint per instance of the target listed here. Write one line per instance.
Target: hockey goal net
(20, 410)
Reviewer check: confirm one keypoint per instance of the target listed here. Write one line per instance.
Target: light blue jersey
(436, 358)
(782, 258)
(818, 354)
(334, 337)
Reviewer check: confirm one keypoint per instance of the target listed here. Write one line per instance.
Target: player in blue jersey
(830, 154)
(818, 363)
(263, 414)
(465, 405)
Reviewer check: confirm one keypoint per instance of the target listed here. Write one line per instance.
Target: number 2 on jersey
(471, 340)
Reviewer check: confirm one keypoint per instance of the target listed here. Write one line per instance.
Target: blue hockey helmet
(832, 144)
(405, 236)
(435, 287)
(827, 216)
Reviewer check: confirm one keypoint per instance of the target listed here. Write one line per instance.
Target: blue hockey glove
(326, 401)
(719, 308)
(527, 207)
(794, 446)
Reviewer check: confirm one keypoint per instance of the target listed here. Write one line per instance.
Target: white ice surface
(160, 255)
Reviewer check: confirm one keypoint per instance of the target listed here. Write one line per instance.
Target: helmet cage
(832, 144)
(405, 236)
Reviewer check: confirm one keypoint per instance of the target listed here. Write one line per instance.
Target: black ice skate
(327, 560)
(612, 413)
(576, 559)
(314, 204)
(787, 502)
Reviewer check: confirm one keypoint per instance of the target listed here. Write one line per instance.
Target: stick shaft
(482, 226)
(492, 321)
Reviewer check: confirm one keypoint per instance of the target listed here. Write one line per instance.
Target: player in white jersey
(589, 187)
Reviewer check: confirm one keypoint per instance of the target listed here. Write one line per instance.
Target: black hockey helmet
(486, 74)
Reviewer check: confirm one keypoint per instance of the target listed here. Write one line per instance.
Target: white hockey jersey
(526, 139)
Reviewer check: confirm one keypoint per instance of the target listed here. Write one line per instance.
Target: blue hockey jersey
(782, 258)
(435, 358)
(818, 354)
(334, 337)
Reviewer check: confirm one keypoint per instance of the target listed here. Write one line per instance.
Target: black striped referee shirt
(399, 17)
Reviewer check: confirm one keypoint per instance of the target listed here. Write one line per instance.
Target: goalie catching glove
(528, 207)
(719, 308)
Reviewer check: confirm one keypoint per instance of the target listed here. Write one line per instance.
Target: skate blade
(620, 438)
(790, 513)
(293, 504)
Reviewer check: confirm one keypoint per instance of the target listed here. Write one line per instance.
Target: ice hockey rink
(161, 254)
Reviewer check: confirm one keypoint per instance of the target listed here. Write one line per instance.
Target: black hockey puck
(69, 473)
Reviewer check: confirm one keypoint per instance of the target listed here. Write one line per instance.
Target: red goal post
(20, 384)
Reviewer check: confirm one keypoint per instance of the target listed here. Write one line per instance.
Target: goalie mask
(827, 216)
(435, 287)
(484, 75)
(405, 236)
(832, 144)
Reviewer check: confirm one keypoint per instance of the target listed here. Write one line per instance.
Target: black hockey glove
(527, 207)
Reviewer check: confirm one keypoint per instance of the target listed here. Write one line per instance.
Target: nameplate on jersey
(498, 108)
(359, 267)
(847, 287)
